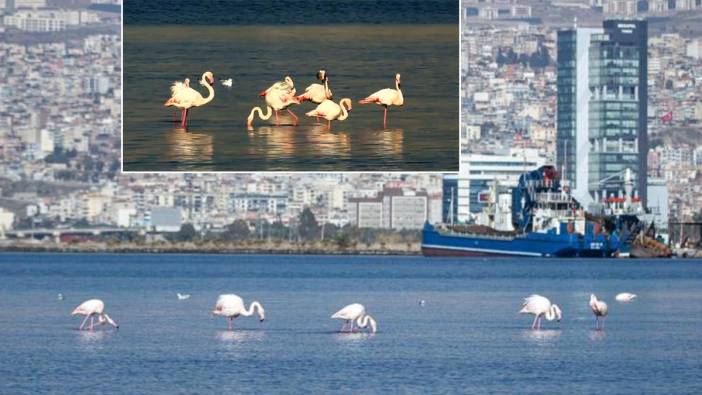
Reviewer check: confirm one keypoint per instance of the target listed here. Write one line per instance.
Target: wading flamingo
(183, 296)
(625, 297)
(386, 97)
(317, 93)
(540, 306)
(332, 111)
(90, 309)
(352, 314)
(599, 309)
(227, 82)
(177, 85)
(185, 97)
(279, 96)
(231, 306)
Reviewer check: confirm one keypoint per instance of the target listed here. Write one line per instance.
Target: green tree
(187, 232)
(237, 230)
(308, 228)
(278, 230)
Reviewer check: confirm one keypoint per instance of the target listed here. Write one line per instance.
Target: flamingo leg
(230, 323)
(294, 117)
(533, 325)
(82, 324)
(183, 114)
(329, 125)
(317, 118)
(92, 322)
(277, 123)
(602, 325)
(385, 118)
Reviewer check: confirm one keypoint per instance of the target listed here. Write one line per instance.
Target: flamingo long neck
(266, 116)
(343, 103)
(210, 96)
(252, 308)
(400, 98)
(550, 313)
(327, 92)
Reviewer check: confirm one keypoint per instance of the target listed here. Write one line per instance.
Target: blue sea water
(289, 12)
(467, 338)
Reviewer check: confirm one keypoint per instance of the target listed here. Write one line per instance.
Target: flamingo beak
(210, 80)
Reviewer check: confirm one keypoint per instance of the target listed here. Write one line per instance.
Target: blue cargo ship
(545, 222)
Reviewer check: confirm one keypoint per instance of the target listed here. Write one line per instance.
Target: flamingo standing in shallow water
(231, 306)
(332, 111)
(317, 93)
(352, 314)
(279, 96)
(540, 306)
(90, 309)
(177, 85)
(599, 308)
(185, 97)
(386, 97)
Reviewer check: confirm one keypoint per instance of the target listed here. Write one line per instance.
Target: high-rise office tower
(602, 109)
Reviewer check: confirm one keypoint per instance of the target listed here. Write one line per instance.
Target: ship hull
(534, 245)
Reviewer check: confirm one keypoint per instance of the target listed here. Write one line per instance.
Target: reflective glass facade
(618, 108)
(602, 107)
(566, 103)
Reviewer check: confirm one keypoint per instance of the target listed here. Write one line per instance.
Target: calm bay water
(466, 338)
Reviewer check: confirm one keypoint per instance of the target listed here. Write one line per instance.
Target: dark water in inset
(422, 135)
(467, 338)
(289, 12)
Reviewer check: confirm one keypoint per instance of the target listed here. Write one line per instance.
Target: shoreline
(189, 248)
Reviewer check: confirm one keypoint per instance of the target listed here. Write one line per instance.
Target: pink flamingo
(185, 97)
(90, 309)
(386, 97)
(317, 93)
(332, 111)
(278, 96)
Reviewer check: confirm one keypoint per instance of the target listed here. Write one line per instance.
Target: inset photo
(304, 85)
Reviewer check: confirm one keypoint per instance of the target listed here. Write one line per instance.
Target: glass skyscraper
(602, 108)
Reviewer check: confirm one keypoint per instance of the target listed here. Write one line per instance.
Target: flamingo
(386, 97)
(90, 309)
(540, 306)
(355, 313)
(185, 97)
(177, 85)
(625, 297)
(278, 96)
(599, 308)
(183, 296)
(227, 82)
(231, 306)
(332, 111)
(317, 93)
